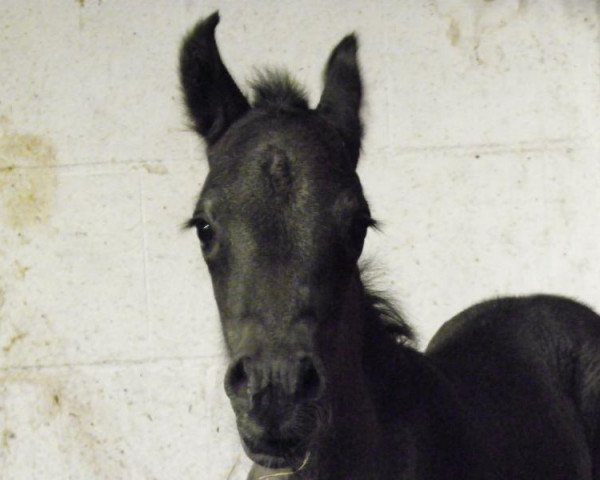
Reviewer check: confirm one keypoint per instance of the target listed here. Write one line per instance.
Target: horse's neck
(353, 441)
(395, 415)
(422, 425)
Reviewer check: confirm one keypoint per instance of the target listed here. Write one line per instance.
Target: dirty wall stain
(470, 23)
(18, 337)
(155, 168)
(453, 32)
(27, 180)
(85, 434)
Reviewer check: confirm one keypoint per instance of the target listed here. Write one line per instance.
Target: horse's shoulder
(545, 318)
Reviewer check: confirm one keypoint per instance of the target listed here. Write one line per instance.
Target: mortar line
(526, 146)
(549, 145)
(149, 336)
(108, 363)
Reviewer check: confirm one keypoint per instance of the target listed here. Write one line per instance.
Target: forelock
(278, 90)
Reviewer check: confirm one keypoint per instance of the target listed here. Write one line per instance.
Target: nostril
(236, 378)
(309, 382)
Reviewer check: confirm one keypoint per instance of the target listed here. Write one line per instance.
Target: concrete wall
(481, 160)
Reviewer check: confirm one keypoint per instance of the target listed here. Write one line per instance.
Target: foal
(321, 379)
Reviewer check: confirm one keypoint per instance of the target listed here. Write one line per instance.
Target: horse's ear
(342, 94)
(212, 98)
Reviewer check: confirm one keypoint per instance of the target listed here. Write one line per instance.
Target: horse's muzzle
(274, 404)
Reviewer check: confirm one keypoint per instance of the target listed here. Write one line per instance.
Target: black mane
(379, 308)
(278, 90)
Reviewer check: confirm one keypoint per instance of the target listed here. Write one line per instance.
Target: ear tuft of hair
(277, 89)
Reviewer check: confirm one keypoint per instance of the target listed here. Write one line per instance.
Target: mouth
(280, 453)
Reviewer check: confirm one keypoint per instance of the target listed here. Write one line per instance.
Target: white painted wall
(481, 160)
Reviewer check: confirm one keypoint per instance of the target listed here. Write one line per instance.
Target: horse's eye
(358, 231)
(205, 233)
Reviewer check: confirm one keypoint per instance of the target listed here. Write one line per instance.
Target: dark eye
(358, 231)
(205, 233)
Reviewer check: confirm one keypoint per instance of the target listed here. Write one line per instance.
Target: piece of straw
(291, 472)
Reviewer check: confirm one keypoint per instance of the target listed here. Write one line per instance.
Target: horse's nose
(295, 379)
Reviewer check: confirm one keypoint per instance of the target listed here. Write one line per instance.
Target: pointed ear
(212, 98)
(342, 94)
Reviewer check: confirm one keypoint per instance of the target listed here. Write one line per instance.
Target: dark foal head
(282, 220)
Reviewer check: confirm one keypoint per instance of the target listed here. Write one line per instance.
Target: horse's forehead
(282, 168)
(300, 140)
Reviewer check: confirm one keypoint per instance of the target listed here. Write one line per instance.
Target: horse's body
(321, 378)
(526, 372)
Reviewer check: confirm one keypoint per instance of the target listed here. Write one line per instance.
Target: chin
(274, 459)
(269, 461)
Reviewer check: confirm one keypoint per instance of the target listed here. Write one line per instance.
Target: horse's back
(528, 373)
